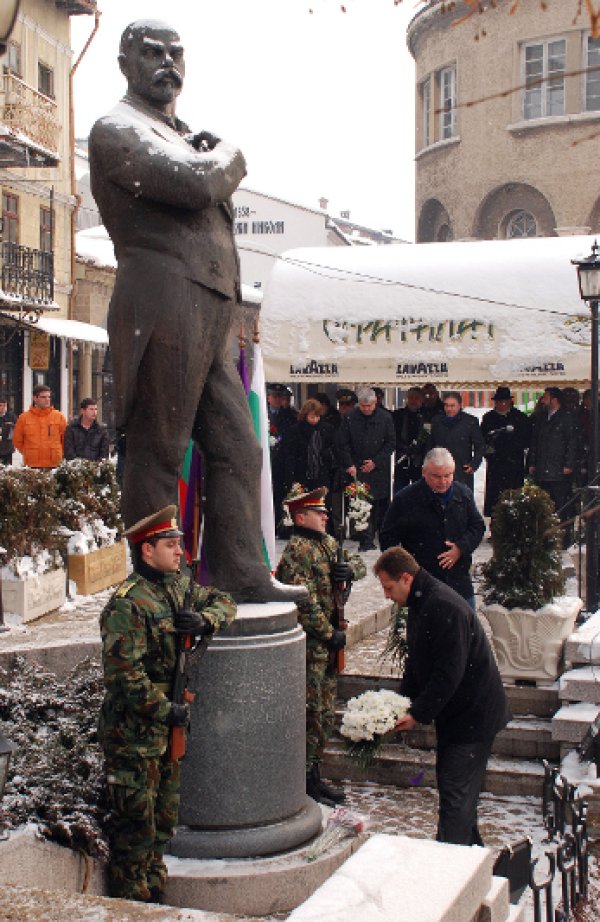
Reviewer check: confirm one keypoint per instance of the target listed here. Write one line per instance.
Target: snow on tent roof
(471, 313)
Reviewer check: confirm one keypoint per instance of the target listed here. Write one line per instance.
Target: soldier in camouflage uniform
(139, 628)
(310, 559)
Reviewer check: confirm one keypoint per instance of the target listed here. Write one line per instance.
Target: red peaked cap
(161, 524)
(315, 499)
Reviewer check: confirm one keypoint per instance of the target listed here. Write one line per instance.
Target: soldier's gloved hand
(342, 572)
(178, 716)
(337, 641)
(192, 622)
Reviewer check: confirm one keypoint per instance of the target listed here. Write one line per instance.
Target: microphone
(494, 432)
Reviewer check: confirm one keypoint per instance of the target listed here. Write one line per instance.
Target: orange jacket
(39, 436)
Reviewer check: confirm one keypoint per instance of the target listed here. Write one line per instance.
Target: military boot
(313, 788)
(336, 795)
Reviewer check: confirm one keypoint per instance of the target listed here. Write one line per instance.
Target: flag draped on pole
(192, 475)
(257, 399)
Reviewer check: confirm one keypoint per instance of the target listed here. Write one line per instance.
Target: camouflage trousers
(143, 796)
(321, 682)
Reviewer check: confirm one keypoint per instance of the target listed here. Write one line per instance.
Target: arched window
(520, 224)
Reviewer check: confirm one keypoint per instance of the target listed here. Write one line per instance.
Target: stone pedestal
(243, 777)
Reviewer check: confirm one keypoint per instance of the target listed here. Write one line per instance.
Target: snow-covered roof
(501, 310)
(73, 329)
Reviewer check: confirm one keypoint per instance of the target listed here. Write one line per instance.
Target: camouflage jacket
(138, 657)
(307, 561)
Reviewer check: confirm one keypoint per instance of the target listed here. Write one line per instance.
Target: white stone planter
(529, 644)
(36, 596)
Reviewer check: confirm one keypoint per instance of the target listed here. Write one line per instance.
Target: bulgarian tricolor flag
(257, 399)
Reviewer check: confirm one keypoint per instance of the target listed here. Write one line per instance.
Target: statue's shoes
(270, 591)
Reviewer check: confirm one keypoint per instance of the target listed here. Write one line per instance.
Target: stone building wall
(495, 163)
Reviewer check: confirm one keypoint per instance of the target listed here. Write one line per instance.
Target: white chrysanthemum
(373, 714)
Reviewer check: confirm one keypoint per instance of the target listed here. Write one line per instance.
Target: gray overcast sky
(321, 104)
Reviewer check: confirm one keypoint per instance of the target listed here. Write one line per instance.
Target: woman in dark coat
(307, 449)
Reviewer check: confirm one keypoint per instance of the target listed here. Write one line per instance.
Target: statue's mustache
(167, 74)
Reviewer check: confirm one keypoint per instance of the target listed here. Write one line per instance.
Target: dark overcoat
(361, 438)
(418, 521)
(553, 445)
(463, 439)
(450, 673)
(505, 453)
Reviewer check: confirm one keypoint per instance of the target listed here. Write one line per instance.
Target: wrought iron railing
(27, 275)
(565, 819)
(28, 112)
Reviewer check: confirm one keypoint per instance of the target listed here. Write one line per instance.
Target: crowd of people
(44, 437)
(327, 446)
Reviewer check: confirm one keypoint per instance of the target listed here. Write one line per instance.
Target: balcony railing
(27, 277)
(31, 119)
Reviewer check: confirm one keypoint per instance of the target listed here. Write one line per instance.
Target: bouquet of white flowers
(366, 721)
(359, 504)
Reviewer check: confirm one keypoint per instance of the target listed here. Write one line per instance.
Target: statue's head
(151, 59)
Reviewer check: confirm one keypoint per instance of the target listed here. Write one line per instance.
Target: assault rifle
(180, 693)
(340, 596)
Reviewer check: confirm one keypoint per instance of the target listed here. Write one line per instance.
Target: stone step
(525, 700)
(396, 877)
(496, 905)
(571, 722)
(583, 645)
(581, 684)
(402, 766)
(523, 738)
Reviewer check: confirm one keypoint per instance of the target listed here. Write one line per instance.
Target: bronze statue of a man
(164, 196)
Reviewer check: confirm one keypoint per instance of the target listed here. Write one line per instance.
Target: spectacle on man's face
(451, 406)
(438, 478)
(154, 66)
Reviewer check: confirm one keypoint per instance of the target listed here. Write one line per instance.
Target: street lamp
(6, 750)
(8, 15)
(588, 273)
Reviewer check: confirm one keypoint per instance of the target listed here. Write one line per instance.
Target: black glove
(178, 716)
(337, 641)
(192, 622)
(342, 573)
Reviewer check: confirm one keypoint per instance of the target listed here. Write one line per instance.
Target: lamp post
(8, 15)
(6, 750)
(588, 273)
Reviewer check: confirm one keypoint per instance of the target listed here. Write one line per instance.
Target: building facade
(507, 121)
(38, 204)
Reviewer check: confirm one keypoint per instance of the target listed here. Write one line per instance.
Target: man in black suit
(452, 678)
(164, 196)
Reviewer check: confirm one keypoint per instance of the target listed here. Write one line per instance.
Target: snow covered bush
(47, 513)
(56, 775)
(525, 569)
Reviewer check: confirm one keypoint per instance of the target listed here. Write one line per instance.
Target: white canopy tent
(465, 315)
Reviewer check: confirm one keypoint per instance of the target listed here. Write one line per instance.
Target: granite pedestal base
(243, 786)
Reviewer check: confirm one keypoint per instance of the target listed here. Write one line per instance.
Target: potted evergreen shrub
(529, 616)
